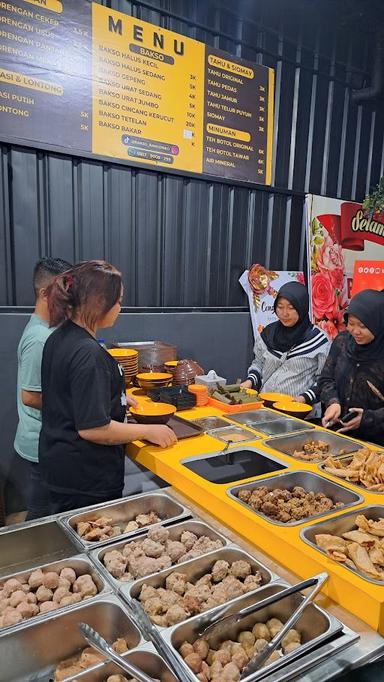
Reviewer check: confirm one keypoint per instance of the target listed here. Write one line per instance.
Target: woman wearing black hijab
(289, 353)
(355, 361)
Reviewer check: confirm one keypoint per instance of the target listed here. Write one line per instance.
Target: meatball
(261, 631)
(115, 563)
(44, 593)
(291, 636)
(144, 565)
(252, 582)
(36, 579)
(274, 626)
(60, 593)
(260, 644)
(31, 598)
(246, 638)
(240, 569)
(63, 582)
(291, 647)
(120, 645)
(158, 534)
(147, 591)
(176, 614)
(188, 539)
(3, 604)
(12, 616)
(71, 599)
(12, 585)
(51, 580)
(219, 570)
(131, 526)
(230, 673)
(47, 606)
(216, 670)
(176, 582)
(240, 659)
(152, 548)
(175, 550)
(185, 649)
(153, 606)
(164, 562)
(28, 610)
(17, 597)
(68, 574)
(223, 656)
(201, 647)
(85, 586)
(194, 661)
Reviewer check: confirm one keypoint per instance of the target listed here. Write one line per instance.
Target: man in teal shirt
(29, 355)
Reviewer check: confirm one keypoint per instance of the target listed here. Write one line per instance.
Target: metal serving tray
(237, 464)
(288, 444)
(144, 659)
(196, 568)
(346, 460)
(33, 652)
(175, 531)
(310, 482)
(209, 423)
(81, 564)
(126, 510)
(338, 526)
(280, 426)
(253, 417)
(32, 545)
(315, 625)
(226, 434)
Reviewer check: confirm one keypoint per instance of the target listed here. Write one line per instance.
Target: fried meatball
(159, 620)
(274, 626)
(201, 647)
(291, 647)
(176, 614)
(246, 638)
(147, 591)
(219, 570)
(175, 550)
(291, 636)
(176, 582)
(241, 569)
(260, 644)
(115, 563)
(152, 548)
(185, 649)
(12, 616)
(12, 585)
(230, 673)
(131, 526)
(120, 645)
(28, 610)
(223, 656)
(240, 659)
(252, 582)
(36, 579)
(216, 670)
(188, 539)
(3, 604)
(194, 661)
(261, 631)
(51, 580)
(63, 582)
(90, 657)
(144, 565)
(153, 606)
(159, 534)
(60, 593)
(164, 561)
(44, 594)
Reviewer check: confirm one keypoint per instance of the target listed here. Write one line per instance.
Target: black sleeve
(90, 383)
(327, 387)
(372, 424)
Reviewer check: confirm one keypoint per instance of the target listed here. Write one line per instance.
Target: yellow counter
(283, 544)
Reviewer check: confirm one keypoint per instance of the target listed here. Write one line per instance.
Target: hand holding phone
(349, 416)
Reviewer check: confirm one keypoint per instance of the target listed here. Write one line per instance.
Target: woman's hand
(299, 399)
(159, 434)
(355, 422)
(246, 384)
(131, 401)
(332, 414)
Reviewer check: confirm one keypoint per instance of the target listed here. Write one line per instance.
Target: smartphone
(348, 417)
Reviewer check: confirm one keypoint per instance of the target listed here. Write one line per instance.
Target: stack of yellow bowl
(128, 359)
(150, 380)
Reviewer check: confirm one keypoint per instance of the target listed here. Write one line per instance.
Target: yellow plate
(171, 363)
(274, 397)
(292, 407)
(154, 376)
(122, 352)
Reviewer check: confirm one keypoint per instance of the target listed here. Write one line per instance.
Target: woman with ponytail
(83, 407)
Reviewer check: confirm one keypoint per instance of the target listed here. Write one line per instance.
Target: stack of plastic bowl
(186, 371)
(128, 359)
(201, 393)
(149, 380)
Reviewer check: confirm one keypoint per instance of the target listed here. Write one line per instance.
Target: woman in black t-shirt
(83, 393)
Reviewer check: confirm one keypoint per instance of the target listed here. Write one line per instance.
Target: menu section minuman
(78, 76)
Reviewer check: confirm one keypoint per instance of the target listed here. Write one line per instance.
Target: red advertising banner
(338, 234)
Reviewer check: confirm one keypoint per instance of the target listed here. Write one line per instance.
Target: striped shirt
(295, 372)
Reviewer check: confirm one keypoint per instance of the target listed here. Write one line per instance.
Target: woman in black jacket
(355, 361)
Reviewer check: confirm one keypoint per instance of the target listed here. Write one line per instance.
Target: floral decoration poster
(338, 235)
(261, 286)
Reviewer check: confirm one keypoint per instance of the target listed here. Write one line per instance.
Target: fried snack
(313, 451)
(87, 657)
(365, 468)
(361, 549)
(285, 505)
(102, 527)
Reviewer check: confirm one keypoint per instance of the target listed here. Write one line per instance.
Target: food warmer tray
(310, 482)
(209, 423)
(232, 434)
(33, 652)
(316, 626)
(288, 444)
(143, 657)
(197, 527)
(81, 564)
(196, 568)
(338, 526)
(34, 543)
(125, 510)
(279, 427)
(253, 417)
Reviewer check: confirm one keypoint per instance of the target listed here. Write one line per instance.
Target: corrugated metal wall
(184, 241)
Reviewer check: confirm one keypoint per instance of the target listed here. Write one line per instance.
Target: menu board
(79, 77)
